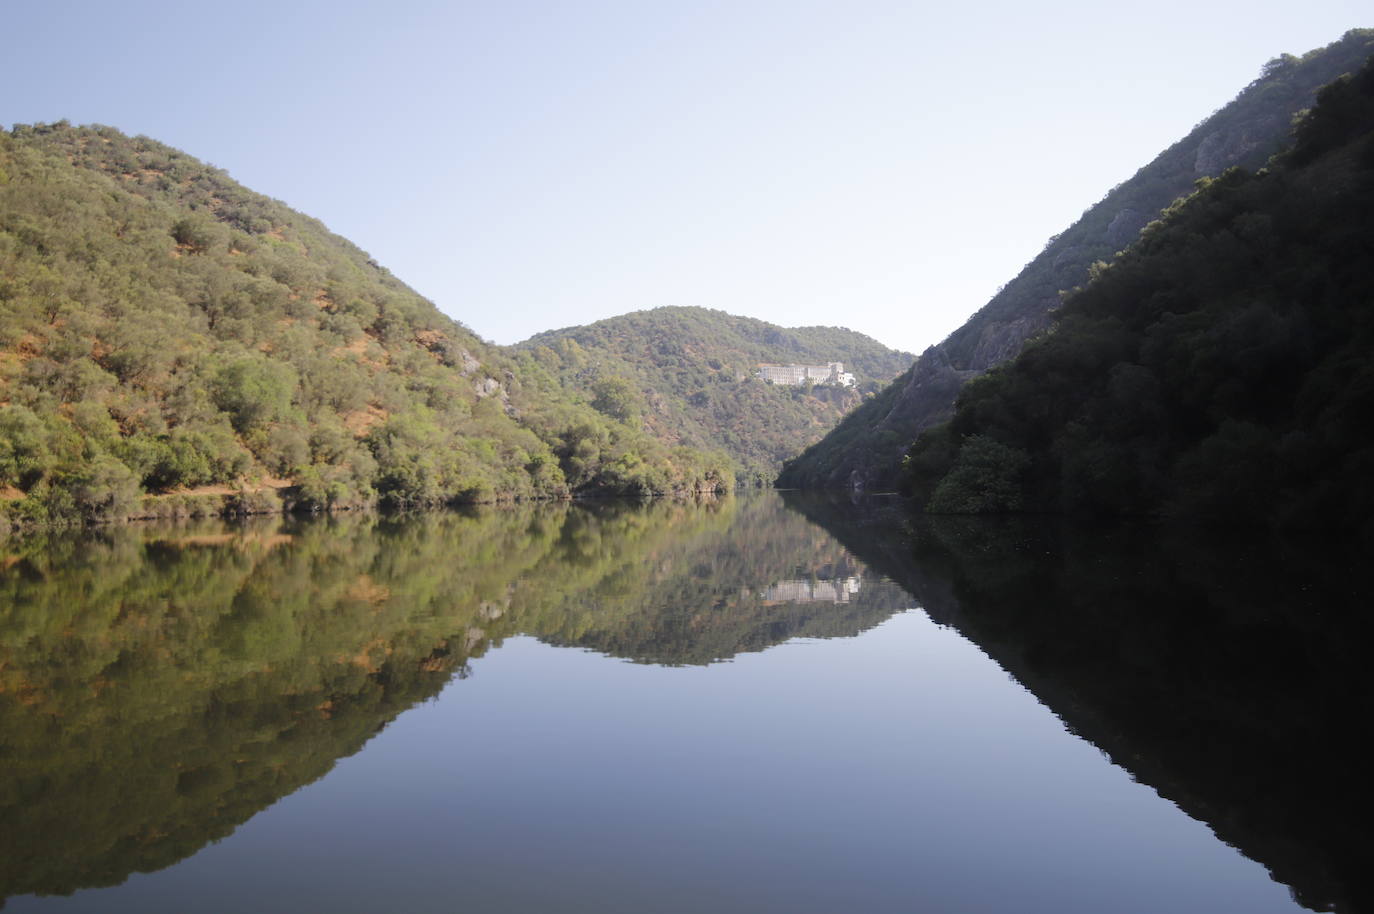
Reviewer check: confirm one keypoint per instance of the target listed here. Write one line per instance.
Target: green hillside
(1222, 368)
(165, 331)
(688, 374)
(865, 450)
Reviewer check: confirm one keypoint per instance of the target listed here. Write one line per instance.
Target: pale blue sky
(531, 165)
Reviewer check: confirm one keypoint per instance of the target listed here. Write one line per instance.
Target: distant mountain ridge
(689, 374)
(865, 450)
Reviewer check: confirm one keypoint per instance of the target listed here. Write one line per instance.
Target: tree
(985, 478)
(24, 455)
(254, 390)
(616, 396)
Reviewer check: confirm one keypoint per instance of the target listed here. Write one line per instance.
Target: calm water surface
(616, 707)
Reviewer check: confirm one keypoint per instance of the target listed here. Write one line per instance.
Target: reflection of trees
(700, 596)
(1230, 676)
(159, 685)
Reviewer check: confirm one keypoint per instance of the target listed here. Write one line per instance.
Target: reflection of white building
(804, 590)
(829, 373)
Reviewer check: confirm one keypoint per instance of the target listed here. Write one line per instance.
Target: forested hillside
(865, 450)
(688, 375)
(165, 331)
(1222, 368)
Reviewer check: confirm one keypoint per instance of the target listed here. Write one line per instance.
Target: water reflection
(159, 685)
(1230, 674)
(813, 590)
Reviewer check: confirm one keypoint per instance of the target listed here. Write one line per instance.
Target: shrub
(254, 391)
(985, 479)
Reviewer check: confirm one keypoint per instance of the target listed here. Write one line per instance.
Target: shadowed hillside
(865, 450)
(1222, 369)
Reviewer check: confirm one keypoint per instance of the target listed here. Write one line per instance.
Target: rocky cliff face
(865, 451)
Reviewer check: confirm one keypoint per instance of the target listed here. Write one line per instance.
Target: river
(762, 703)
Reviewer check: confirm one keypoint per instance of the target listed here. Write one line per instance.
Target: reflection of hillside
(159, 685)
(700, 598)
(1231, 677)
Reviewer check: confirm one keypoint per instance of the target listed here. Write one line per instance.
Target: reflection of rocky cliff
(808, 590)
(1230, 677)
(160, 685)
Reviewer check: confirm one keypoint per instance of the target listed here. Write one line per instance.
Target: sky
(534, 165)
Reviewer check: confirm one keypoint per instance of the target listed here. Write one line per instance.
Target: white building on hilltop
(829, 373)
